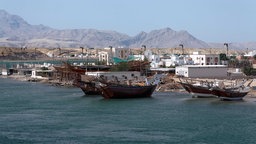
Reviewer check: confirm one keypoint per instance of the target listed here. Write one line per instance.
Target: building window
(216, 59)
(208, 59)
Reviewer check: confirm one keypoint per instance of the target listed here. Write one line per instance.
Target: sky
(207, 20)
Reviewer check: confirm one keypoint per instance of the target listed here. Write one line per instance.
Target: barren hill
(16, 32)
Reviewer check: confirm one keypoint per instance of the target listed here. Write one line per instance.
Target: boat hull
(226, 94)
(207, 89)
(124, 91)
(92, 91)
(88, 88)
(198, 91)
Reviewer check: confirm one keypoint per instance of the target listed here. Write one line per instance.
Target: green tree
(122, 66)
(247, 70)
(223, 57)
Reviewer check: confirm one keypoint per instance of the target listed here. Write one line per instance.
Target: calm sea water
(39, 113)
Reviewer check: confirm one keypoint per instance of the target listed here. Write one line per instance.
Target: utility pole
(35, 53)
(181, 45)
(82, 54)
(226, 45)
(111, 54)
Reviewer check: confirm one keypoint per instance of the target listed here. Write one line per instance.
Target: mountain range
(16, 32)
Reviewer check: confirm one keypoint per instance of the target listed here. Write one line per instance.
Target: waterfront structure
(4, 72)
(120, 75)
(202, 71)
(41, 74)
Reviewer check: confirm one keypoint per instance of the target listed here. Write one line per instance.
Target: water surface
(40, 113)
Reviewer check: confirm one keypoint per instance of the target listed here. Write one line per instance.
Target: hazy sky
(207, 20)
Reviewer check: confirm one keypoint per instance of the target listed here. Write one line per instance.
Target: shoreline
(43, 81)
(251, 96)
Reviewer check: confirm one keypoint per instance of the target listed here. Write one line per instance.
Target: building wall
(210, 72)
(212, 59)
(202, 71)
(181, 71)
(122, 53)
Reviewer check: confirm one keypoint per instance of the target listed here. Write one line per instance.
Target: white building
(176, 60)
(205, 59)
(41, 74)
(202, 71)
(104, 57)
(251, 53)
(139, 57)
(149, 55)
(5, 72)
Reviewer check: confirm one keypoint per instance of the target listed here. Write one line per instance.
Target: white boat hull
(202, 95)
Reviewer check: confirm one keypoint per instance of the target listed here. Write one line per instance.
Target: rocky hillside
(16, 32)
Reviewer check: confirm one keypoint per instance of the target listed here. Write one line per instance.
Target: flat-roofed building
(202, 71)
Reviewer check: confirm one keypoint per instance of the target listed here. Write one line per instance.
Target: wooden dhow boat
(89, 88)
(200, 90)
(234, 92)
(88, 84)
(231, 94)
(217, 89)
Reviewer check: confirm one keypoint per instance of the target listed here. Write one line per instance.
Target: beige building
(107, 56)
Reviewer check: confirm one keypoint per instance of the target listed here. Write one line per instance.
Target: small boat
(127, 91)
